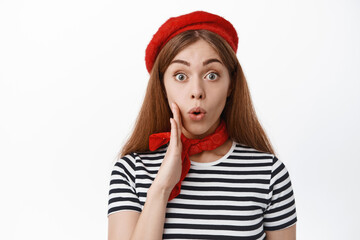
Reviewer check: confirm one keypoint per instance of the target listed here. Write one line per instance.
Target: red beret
(190, 21)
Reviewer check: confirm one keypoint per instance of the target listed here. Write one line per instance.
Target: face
(198, 82)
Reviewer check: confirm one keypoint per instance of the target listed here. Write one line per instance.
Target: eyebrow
(211, 60)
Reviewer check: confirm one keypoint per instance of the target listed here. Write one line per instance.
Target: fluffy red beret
(190, 21)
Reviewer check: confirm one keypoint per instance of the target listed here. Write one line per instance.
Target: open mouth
(197, 110)
(197, 113)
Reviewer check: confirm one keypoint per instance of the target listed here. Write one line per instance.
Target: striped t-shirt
(238, 196)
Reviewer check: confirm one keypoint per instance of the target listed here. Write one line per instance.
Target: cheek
(174, 94)
(180, 102)
(219, 100)
(168, 89)
(170, 94)
(219, 93)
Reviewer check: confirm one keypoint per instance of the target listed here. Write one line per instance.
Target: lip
(199, 116)
(196, 109)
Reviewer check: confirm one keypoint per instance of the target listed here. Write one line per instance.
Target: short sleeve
(122, 193)
(281, 210)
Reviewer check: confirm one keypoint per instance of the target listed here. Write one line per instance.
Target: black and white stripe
(239, 196)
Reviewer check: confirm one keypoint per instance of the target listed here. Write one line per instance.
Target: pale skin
(199, 86)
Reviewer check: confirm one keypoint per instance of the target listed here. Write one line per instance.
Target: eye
(212, 76)
(180, 76)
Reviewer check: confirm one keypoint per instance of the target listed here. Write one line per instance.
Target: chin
(196, 129)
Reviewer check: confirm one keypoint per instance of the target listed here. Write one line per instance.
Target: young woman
(198, 164)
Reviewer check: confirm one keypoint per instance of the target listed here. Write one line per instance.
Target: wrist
(158, 189)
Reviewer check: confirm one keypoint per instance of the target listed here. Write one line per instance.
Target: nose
(197, 89)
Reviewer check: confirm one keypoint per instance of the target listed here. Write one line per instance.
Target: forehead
(199, 50)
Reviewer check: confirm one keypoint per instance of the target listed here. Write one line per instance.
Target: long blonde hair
(239, 114)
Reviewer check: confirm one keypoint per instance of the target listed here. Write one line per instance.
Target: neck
(212, 155)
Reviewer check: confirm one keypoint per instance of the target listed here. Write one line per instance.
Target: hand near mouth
(169, 173)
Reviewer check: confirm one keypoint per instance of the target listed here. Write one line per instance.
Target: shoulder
(241, 149)
(151, 155)
(125, 162)
(266, 159)
(130, 160)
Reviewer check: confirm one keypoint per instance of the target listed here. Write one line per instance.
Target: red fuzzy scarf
(190, 147)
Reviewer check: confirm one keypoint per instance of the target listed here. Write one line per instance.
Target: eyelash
(176, 74)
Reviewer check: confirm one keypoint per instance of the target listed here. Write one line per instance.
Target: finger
(177, 117)
(173, 134)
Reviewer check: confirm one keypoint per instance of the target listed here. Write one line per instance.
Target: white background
(73, 77)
